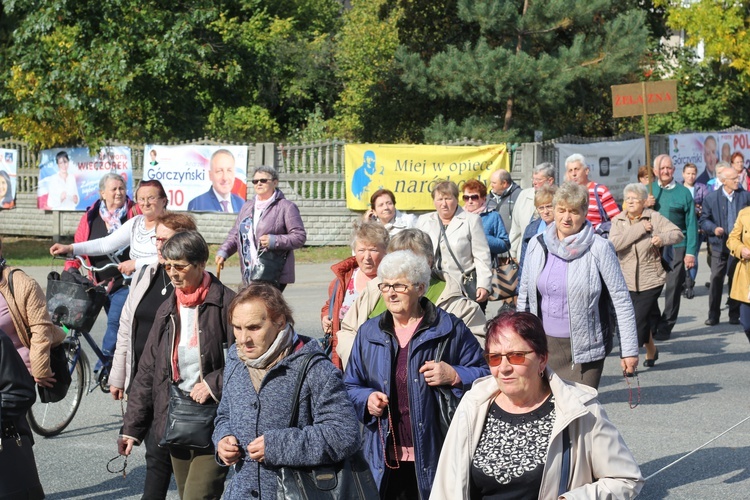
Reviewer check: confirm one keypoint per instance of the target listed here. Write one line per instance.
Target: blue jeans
(113, 307)
(693, 271)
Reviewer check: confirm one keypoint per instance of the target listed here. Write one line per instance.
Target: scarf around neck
(197, 297)
(112, 218)
(279, 349)
(571, 247)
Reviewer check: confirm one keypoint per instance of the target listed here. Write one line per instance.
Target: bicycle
(74, 307)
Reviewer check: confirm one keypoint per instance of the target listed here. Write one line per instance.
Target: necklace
(166, 284)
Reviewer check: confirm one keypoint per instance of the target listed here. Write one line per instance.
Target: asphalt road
(697, 390)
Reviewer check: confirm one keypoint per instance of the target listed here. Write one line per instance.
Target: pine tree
(528, 64)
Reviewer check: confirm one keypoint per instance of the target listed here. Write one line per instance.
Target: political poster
(8, 178)
(69, 177)
(705, 150)
(199, 178)
(614, 164)
(411, 171)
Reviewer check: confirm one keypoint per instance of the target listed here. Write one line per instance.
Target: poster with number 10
(199, 178)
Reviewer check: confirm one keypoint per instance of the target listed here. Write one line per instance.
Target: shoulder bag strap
(442, 235)
(602, 213)
(298, 388)
(440, 350)
(331, 299)
(565, 472)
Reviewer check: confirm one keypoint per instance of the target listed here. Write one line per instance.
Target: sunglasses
(472, 197)
(262, 181)
(514, 358)
(177, 267)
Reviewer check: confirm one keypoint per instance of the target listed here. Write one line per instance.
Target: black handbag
(447, 401)
(268, 266)
(58, 363)
(348, 479)
(189, 423)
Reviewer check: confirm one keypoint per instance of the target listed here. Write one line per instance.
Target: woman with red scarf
(186, 347)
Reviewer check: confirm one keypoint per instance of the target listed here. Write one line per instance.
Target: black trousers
(158, 470)
(400, 484)
(673, 292)
(722, 263)
(644, 303)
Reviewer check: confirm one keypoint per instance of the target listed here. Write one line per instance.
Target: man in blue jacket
(219, 198)
(719, 213)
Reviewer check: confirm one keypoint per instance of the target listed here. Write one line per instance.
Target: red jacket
(343, 271)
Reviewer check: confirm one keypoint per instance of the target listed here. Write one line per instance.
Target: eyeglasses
(150, 200)
(262, 181)
(472, 197)
(397, 287)
(156, 240)
(514, 358)
(177, 267)
(545, 208)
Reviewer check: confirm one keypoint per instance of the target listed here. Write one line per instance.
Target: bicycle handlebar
(84, 264)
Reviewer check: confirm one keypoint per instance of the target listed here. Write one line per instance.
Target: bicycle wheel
(50, 419)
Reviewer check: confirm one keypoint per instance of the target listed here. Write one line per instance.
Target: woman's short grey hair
(572, 195)
(373, 233)
(267, 169)
(188, 245)
(414, 240)
(637, 189)
(545, 194)
(406, 264)
(546, 169)
(110, 176)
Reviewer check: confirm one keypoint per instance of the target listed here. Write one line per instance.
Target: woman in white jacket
(525, 433)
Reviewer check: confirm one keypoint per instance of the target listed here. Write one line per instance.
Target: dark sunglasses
(262, 181)
(514, 358)
(468, 197)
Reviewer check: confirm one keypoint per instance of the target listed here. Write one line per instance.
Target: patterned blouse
(509, 460)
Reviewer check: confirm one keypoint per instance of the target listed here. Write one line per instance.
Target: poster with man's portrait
(8, 180)
(199, 178)
(69, 177)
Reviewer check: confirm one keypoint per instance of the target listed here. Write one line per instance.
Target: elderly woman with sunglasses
(268, 222)
(151, 287)
(475, 202)
(515, 431)
(186, 348)
(393, 377)
(460, 244)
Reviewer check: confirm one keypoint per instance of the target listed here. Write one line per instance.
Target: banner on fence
(614, 164)
(705, 150)
(411, 171)
(199, 178)
(8, 178)
(69, 177)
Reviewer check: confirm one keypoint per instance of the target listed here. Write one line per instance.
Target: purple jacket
(281, 221)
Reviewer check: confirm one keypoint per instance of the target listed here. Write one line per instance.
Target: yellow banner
(412, 171)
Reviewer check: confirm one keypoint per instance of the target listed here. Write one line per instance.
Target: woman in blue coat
(392, 377)
(251, 427)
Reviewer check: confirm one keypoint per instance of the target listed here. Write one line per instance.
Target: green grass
(27, 252)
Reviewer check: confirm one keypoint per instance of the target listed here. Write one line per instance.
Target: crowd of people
(441, 401)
